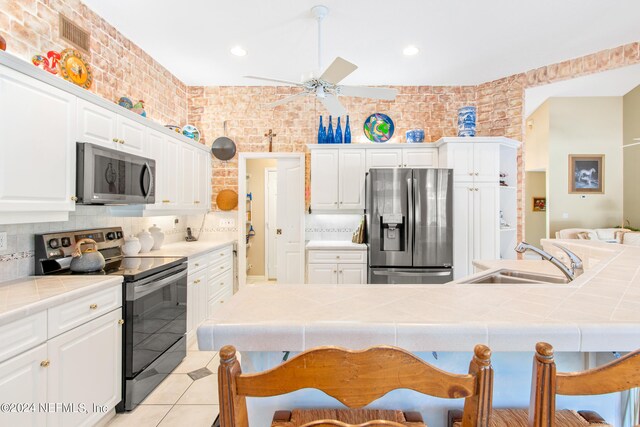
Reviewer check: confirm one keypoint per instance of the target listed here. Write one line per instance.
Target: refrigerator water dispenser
(392, 232)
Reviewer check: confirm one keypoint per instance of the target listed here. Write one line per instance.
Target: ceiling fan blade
(285, 100)
(334, 106)
(273, 80)
(368, 92)
(338, 70)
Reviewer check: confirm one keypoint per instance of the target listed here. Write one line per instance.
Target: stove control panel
(53, 250)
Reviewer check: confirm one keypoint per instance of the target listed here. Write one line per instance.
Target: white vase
(131, 246)
(146, 241)
(158, 236)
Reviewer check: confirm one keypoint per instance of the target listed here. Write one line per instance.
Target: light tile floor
(187, 397)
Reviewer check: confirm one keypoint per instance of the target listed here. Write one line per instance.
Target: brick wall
(120, 68)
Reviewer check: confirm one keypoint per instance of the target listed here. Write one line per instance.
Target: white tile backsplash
(18, 259)
(331, 226)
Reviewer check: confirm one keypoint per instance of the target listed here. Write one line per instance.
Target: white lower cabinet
(85, 370)
(24, 380)
(72, 379)
(330, 267)
(210, 285)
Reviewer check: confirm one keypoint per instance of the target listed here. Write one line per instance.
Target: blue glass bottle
(320, 132)
(347, 132)
(338, 137)
(330, 135)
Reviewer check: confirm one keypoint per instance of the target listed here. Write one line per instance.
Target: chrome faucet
(576, 263)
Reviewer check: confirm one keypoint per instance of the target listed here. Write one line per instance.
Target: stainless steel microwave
(106, 176)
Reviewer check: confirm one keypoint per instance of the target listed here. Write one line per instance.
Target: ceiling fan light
(320, 93)
(238, 51)
(410, 50)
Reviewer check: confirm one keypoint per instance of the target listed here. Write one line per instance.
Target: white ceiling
(460, 41)
(616, 82)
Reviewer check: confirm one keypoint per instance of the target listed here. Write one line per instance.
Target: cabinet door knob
(477, 174)
(195, 282)
(335, 203)
(222, 254)
(93, 306)
(222, 267)
(222, 284)
(197, 265)
(196, 201)
(45, 363)
(121, 322)
(74, 199)
(338, 256)
(335, 271)
(221, 301)
(121, 141)
(470, 173)
(115, 140)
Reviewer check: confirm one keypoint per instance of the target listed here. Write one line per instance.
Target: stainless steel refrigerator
(409, 218)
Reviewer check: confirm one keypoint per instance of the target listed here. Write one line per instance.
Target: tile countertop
(340, 245)
(190, 249)
(599, 311)
(29, 295)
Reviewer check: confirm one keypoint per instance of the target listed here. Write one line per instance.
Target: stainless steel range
(154, 304)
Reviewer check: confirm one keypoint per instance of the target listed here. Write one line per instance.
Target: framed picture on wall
(539, 204)
(586, 173)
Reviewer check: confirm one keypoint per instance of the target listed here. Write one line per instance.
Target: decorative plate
(378, 127)
(125, 102)
(74, 68)
(192, 132)
(50, 64)
(174, 128)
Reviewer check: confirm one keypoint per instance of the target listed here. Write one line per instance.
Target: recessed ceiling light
(238, 51)
(410, 50)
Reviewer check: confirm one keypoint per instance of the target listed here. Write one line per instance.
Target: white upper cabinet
(97, 125)
(351, 179)
(131, 136)
(473, 161)
(420, 157)
(324, 179)
(384, 158)
(37, 135)
(188, 191)
(103, 127)
(203, 181)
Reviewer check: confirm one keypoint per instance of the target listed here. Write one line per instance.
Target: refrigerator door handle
(408, 238)
(412, 273)
(417, 217)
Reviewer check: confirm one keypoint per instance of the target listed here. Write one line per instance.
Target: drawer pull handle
(93, 306)
(166, 201)
(195, 282)
(121, 322)
(45, 363)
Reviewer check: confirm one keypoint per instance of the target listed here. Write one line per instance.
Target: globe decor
(378, 127)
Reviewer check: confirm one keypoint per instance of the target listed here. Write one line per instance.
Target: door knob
(278, 231)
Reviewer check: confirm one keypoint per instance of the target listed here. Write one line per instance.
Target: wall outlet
(175, 223)
(3, 240)
(227, 222)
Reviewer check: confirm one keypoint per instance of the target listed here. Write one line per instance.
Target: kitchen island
(585, 320)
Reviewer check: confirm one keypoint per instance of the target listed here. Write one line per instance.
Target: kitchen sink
(517, 277)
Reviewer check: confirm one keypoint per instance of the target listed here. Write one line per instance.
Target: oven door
(155, 317)
(109, 176)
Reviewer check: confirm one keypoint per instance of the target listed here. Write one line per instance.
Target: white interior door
(270, 221)
(289, 230)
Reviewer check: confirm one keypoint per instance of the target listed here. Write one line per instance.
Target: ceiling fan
(326, 88)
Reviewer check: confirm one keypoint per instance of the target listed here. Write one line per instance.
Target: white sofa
(612, 235)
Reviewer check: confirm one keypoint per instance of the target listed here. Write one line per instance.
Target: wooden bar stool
(355, 378)
(619, 375)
